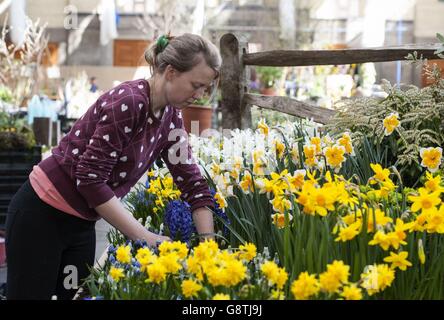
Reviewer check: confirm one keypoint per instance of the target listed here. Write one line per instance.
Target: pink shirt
(48, 193)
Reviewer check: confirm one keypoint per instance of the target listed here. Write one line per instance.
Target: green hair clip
(162, 42)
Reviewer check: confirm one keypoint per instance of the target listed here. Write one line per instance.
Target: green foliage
(269, 75)
(14, 133)
(5, 94)
(271, 117)
(439, 51)
(420, 110)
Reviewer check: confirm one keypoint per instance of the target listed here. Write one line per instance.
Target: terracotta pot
(268, 91)
(2, 252)
(201, 114)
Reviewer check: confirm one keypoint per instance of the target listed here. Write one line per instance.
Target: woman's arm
(203, 219)
(114, 213)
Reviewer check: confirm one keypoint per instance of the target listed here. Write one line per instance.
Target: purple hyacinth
(179, 221)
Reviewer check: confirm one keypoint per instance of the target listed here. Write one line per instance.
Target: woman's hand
(154, 239)
(119, 217)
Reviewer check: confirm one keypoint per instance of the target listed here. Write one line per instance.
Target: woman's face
(183, 88)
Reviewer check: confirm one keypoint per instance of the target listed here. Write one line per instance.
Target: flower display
(293, 221)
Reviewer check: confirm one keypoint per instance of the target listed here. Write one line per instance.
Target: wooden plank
(290, 106)
(233, 83)
(281, 58)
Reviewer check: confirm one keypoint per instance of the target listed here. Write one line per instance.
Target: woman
(51, 219)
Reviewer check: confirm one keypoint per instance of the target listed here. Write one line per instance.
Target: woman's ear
(170, 73)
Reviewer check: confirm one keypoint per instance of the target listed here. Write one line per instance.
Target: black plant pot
(15, 167)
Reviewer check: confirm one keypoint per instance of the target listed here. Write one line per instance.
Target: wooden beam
(290, 106)
(234, 82)
(281, 58)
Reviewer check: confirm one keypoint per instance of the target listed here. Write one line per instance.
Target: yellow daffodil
(381, 239)
(277, 295)
(190, 288)
(435, 220)
(279, 219)
(221, 296)
(151, 173)
(329, 283)
(432, 183)
(278, 148)
(296, 181)
(316, 141)
(431, 158)
(310, 155)
(346, 142)
(145, 257)
(221, 201)
(263, 127)
(334, 156)
(116, 273)
(170, 262)
(425, 201)
(156, 273)
(401, 228)
(377, 278)
(340, 270)
(123, 254)
(246, 183)
(206, 250)
(305, 286)
(381, 174)
(281, 204)
(351, 292)
(376, 217)
(177, 247)
(294, 154)
(350, 232)
(395, 239)
(215, 168)
(247, 251)
(194, 267)
(398, 260)
(275, 275)
(391, 122)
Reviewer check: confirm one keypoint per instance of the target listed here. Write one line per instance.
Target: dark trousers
(48, 251)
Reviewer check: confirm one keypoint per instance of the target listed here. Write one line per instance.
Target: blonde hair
(183, 53)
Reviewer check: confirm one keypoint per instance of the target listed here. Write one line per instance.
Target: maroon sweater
(114, 143)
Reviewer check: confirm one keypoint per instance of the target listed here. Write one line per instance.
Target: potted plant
(18, 154)
(268, 77)
(197, 117)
